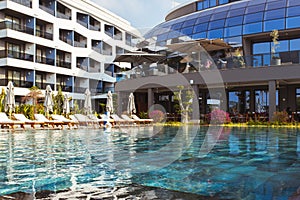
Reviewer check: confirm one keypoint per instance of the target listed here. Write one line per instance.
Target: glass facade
(231, 21)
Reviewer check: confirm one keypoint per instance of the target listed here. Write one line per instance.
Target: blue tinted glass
(187, 31)
(256, 60)
(260, 48)
(223, 1)
(205, 4)
(202, 19)
(199, 35)
(274, 24)
(293, 11)
(294, 44)
(200, 6)
(234, 21)
(216, 24)
(241, 4)
(256, 8)
(275, 14)
(256, 2)
(212, 3)
(176, 26)
(283, 46)
(162, 37)
(189, 23)
(293, 22)
(293, 2)
(233, 31)
(173, 34)
(255, 17)
(200, 27)
(221, 15)
(237, 41)
(266, 59)
(236, 12)
(215, 34)
(275, 5)
(252, 28)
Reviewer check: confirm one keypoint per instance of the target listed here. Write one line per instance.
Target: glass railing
(16, 27)
(44, 60)
(47, 9)
(94, 28)
(16, 54)
(44, 34)
(64, 88)
(63, 15)
(94, 69)
(64, 64)
(107, 52)
(80, 44)
(98, 50)
(43, 85)
(26, 3)
(79, 89)
(17, 83)
(82, 23)
(118, 37)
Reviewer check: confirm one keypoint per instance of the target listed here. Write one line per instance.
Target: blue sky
(142, 14)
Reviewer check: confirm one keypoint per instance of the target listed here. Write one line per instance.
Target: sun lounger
(32, 123)
(5, 121)
(53, 123)
(127, 118)
(84, 120)
(96, 120)
(145, 121)
(66, 121)
(119, 120)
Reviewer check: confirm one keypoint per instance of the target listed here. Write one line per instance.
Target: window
(274, 24)
(261, 48)
(275, 5)
(255, 9)
(234, 21)
(233, 31)
(295, 44)
(292, 22)
(293, 11)
(223, 1)
(298, 99)
(189, 23)
(253, 28)
(216, 24)
(215, 34)
(255, 17)
(200, 27)
(275, 14)
(236, 12)
(187, 31)
(199, 35)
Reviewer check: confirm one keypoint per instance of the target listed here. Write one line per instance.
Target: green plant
(218, 116)
(280, 118)
(33, 96)
(185, 100)
(143, 115)
(2, 97)
(157, 116)
(274, 35)
(58, 102)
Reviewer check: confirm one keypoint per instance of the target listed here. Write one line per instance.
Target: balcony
(44, 34)
(44, 60)
(43, 85)
(63, 15)
(64, 88)
(80, 44)
(64, 64)
(79, 89)
(26, 3)
(17, 83)
(98, 50)
(94, 28)
(16, 55)
(16, 27)
(82, 23)
(47, 9)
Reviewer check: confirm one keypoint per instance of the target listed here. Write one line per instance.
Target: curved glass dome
(230, 21)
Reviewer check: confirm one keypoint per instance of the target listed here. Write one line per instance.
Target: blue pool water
(226, 163)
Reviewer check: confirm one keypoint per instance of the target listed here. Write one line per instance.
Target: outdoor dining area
(10, 120)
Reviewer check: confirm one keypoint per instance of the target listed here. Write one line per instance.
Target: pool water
(226, 163)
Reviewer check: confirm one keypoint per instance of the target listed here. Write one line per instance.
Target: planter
(275, 61)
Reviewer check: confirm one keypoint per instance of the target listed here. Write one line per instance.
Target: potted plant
(275, 59)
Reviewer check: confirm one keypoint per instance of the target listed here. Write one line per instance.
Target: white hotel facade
(62, 43)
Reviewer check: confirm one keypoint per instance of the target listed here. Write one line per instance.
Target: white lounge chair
(5, 121)
(84, 120)
(145, 121)
(66, 121)
(53, 123)
(32, 123)
(132, 121)
(119, 120)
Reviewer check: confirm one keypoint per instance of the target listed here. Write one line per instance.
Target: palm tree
(34, 94)
(2, 97)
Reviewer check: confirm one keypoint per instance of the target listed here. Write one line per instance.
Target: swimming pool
(225, 163)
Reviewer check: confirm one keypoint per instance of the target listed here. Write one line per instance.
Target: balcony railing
(63, 15)
(26, 3)
(44, 34)
(79, 89)
(66, 40)
(64, 88)
(16, 27)
(17, 83)
(44, 60)
(118, 37)
(98, 50)
(82, 23)
(94, 28)
(80, 44)
(64, 64)
(47, 9)
(107, 52)
(94, 69)
(16, 54)
(43, 85)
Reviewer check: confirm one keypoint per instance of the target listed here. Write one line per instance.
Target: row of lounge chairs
(76, 120)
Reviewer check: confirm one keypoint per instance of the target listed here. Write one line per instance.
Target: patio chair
(53, 123)
(32, 123)
(105, 118)
(118, 120)
(69, 122)
(132, 121)
(96, 120)
(145, 121)
(5, 121)
(83, 120)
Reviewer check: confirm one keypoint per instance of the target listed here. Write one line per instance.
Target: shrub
(280, 117)
(157, 115)
(143, 115)
(218, 116)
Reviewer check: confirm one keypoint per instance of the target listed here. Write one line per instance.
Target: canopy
(48, 104)
(131, 105)
(87, 102)
(10, 98)
(139, 57)
(109, 103)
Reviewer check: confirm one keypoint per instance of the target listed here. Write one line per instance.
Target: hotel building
(254, 81)
(62, 43)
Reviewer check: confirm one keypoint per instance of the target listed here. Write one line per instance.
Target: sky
(142, 14)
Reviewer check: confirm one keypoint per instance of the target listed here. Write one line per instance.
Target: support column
(195, 104)
(150, 97)
(272, 99)
(252, 101)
